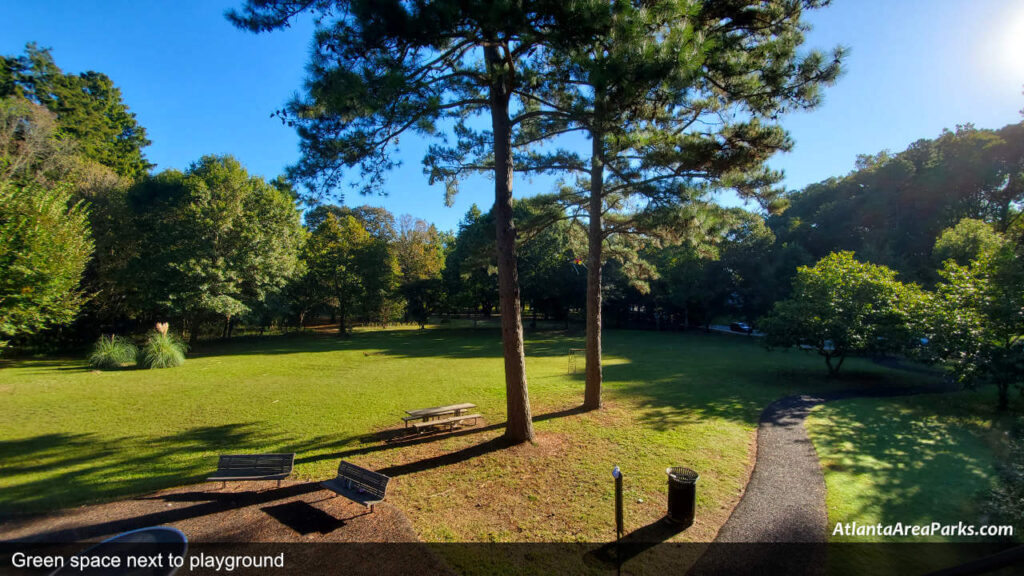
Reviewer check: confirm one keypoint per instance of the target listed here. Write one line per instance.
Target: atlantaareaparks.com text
(933, 529)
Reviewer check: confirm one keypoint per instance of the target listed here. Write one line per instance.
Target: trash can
(682, 495)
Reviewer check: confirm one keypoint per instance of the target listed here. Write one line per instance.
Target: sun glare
(1012, 48)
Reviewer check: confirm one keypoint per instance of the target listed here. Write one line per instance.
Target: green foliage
(893, 207)
(975, 320)
(112, 352)
(162, 350)
(88, 106)
(841, 306)
(967, 241)
(212, 242)
(352, 271)
(44, 247)
(470, 273)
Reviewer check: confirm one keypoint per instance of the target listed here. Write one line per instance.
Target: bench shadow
(304, 518)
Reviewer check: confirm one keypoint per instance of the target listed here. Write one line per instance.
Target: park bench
(450, 423)
(251, 467)
(358, 484)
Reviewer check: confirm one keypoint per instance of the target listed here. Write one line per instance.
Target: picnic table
(453, 413)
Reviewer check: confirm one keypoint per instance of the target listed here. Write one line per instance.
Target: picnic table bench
(358, 484)
(251, 467)
(426, 414)
(450, 422)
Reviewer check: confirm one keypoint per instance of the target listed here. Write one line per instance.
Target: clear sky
(200, 86)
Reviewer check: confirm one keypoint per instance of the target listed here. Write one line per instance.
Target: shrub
(162, 350)
(112, 352)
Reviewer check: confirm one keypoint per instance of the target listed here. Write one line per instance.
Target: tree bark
(520, 422)
(595, 241)
(833, 371)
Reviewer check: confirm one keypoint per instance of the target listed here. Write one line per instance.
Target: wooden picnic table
(440, 410)
(426, 414)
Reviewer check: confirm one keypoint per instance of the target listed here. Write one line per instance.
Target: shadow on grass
(414, 440)
(926, 459)
(86, 468)
(434, 343)
(670, 380)
(216, 505)
(615, 554)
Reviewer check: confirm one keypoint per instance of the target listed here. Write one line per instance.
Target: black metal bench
(251, 467)
(358, 484)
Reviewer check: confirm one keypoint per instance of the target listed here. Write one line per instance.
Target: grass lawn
(69, 435)
(914, 460)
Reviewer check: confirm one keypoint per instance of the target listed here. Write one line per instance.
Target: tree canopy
(88, 106)
(841, 306)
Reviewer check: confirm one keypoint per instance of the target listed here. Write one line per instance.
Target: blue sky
(200, 86)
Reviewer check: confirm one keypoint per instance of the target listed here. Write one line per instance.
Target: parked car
(741, 327)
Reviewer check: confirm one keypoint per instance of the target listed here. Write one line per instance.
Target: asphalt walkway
(784, 502)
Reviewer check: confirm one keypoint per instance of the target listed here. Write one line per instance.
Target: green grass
(913, 460)
(69, 435)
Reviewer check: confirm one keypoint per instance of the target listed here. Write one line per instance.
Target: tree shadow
(922, 459)
(91, 468)
(237, 501)
(427, 439)
(434, 342)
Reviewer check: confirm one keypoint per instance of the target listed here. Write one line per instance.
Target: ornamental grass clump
(162, 350)
(112, 352)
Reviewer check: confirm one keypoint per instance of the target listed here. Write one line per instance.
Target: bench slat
(253, 467)
(447, 421)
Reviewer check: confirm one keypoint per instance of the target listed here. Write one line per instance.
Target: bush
(112, 352)
(162, 350)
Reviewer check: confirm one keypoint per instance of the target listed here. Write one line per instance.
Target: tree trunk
(1004, 396)
(833, 371)
(520, 423)
(595, 240)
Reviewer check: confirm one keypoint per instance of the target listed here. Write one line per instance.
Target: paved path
(784, 502)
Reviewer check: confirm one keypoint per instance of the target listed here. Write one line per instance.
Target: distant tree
(88, 106)
(470, 276)
(378, 221)
(44, 247)
(419, 249)
(967, 241)
(841, 306)
(345, 266)
(758, 270)
(214, 241)
(975, 320)
(891, 209)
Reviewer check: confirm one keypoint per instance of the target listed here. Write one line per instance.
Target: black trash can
(682, 495)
